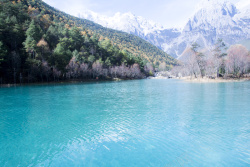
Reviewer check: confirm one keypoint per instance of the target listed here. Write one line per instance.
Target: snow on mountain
(243, 4)
(137, 25)
(213, 19)
(126, 22)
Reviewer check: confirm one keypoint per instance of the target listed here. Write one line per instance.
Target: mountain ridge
(122, 21)
(213, 19)
(139, 47)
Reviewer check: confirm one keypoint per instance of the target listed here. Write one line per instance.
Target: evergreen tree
(66, 33)
(66, 43)
(108, 62)
(219, 53)
(77, 39)
(61, 57)
(33, 35)
(52, 36)
(91, 59)
(199, 58)
(34, 31)
(76, 54)
(3, 53)
(30, 46)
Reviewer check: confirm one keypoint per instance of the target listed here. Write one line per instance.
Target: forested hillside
(40, 43)
(131, 43)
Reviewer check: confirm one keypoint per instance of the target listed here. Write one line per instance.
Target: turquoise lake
(142, 123)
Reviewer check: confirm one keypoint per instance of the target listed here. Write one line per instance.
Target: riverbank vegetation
(222, 62)
(40, 44)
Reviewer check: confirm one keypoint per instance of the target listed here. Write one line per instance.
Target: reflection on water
(129, 123)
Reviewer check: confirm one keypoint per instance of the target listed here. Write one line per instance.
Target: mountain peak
(213, 19)
(220, 7)
(204, 3)
(127, 22)
(212, 14)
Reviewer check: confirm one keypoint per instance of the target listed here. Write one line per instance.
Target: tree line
(232, 62)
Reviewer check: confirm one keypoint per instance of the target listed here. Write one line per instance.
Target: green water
(129, 123)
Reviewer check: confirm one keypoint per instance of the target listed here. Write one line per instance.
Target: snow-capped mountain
(213, 19)
(126, 22)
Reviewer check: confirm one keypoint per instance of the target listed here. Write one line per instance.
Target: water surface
(129, 123)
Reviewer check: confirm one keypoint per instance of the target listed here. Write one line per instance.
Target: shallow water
(129, 123)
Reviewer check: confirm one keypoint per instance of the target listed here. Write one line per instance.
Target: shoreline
(185, 79)
(204, 80)
(216, 80)
(73, 81)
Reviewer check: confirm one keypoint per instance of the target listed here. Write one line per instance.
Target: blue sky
(167, 12)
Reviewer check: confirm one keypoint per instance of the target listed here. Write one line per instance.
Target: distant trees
(237, 61)
(97, 71)
(123, 71)
(234, 62)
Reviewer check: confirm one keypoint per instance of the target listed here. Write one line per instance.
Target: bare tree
(84, 70)
(135, 70)
(56, 74)
(97, 69)
(237, 60)
(180, 71)
(212, 66)
(46, 70)
(73, 69)
(192, 65)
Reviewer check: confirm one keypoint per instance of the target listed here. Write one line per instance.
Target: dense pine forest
(39, 43)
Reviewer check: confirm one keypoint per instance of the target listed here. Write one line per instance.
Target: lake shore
(203, 80)
(75, 81)
(209, 80)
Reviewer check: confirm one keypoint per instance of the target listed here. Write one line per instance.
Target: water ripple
(130, 123)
